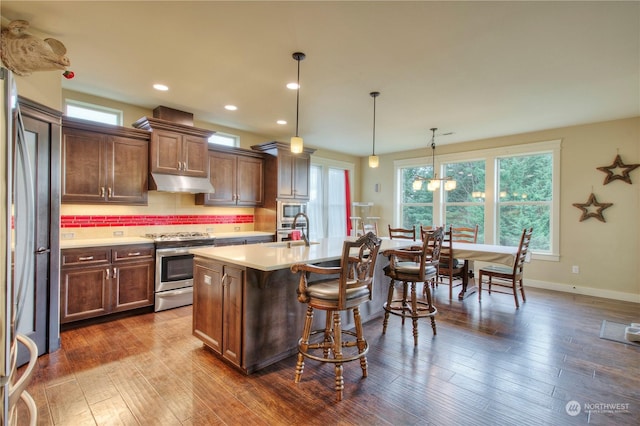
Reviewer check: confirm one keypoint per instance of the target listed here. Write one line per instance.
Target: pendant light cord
(298, 96)
(374, 124)
(374, 95)
(433, 152)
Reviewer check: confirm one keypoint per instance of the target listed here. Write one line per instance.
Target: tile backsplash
(166, 212)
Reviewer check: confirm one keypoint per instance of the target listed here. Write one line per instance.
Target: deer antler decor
(24, 53)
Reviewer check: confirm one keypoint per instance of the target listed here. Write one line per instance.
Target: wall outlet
(575, 269)
(236, 228)
(118, 233)
(68, 235)
(209, 230)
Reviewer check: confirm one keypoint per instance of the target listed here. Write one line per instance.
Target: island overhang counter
(245, 306)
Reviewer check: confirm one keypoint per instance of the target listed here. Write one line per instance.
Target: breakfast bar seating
(413, 266)
(352, 287)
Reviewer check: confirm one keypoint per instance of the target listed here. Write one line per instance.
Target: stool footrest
(402, 308)
(328, 344)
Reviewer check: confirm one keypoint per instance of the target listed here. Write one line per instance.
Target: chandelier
(434, 182)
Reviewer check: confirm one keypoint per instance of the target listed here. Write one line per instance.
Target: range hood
(175, 183)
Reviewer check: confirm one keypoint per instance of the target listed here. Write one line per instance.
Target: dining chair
(369, 227)
(413, 265)
(508, 277)
(464, 234)
(451, 267)
(402, 233)
(426, 228)
(352, 287)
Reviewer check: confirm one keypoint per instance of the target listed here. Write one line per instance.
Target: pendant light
(296, 141)
(434, 183)
(374, 161)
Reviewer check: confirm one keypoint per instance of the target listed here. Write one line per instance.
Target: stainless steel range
(174, 267)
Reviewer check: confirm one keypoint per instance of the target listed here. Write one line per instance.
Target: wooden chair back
(369, 227)
(356, 271)
(523, 252)
(413, 264)
(402, 233)
(462, 234)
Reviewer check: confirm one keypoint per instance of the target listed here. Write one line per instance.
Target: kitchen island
(245, 306)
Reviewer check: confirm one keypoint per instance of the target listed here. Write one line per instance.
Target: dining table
(504, 255)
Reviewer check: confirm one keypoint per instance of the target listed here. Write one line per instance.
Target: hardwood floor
(489, 364)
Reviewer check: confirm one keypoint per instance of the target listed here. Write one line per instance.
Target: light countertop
(103, 242)
(116, 241)
(274, 256)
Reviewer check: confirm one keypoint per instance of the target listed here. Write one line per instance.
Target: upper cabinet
(176, 149)
(237, 176)
(103, 163)
(286, 174)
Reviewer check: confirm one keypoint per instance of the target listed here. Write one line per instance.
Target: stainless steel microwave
(288, 210)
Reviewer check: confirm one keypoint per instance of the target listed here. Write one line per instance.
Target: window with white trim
(224, 139)
(98, 113)
(503, 190)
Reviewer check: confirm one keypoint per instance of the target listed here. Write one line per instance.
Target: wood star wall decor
(592, 208)
(618, 171)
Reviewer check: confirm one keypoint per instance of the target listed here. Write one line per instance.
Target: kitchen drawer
(133, 252)
(85, 256)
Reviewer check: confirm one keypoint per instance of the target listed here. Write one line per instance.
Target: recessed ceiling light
(230, 107)
(161, 87)
(292, 86)
(281, 121)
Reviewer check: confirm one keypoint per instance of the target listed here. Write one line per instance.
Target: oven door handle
(170, 293)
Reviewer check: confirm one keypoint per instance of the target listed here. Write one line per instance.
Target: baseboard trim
(587, 291)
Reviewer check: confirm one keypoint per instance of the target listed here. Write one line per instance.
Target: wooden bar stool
(352, 287)
(413, 266)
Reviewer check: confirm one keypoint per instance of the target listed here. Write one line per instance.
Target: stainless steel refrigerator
(17, 212)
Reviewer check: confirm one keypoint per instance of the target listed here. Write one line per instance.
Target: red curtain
(347, 191)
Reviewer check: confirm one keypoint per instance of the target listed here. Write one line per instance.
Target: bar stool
(413, 266)
(346, 292)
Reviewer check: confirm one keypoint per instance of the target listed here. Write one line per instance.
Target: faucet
(293, 226)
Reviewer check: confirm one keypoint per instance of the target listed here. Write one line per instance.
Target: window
(464, 206)
(93, 112)
(327, 208)
(524, 199)
(416, 207)
(224, 139)
(503, 190)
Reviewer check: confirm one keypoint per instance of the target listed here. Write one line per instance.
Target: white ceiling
(479, 69)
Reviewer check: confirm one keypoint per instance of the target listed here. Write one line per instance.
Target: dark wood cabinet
(217, 306)
(293, 175)
(176, 148)
(234, 241)
(286, 174)
(100, 281)
(237, 176)
(103, 164)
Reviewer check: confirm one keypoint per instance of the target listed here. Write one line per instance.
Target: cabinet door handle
(84, 258)
(184, 165)
(102, 191)
(224, 279)
(115, 272)
(109, 192)
(179, 165)
(134, 254)
(108, 273)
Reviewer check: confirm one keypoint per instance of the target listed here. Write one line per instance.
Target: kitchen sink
(290, 244)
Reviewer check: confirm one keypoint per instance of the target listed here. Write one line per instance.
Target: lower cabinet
(217, 307)
(243, 240)
(100, 281)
